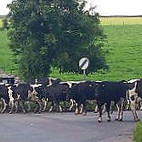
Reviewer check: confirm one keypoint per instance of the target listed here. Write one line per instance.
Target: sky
(103, 7)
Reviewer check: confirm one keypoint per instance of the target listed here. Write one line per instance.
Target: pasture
(121, 20)
(0, 22)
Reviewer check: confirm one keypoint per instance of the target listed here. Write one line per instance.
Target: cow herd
(43, 90)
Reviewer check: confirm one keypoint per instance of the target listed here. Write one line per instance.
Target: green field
(0, 22)
(123, 51)
(121, 20)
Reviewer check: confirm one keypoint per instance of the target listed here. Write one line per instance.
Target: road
(65, 127)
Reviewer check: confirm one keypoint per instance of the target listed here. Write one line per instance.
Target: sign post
(83, 64)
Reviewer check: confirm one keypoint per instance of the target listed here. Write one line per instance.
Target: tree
(4, 24)
(54, 33)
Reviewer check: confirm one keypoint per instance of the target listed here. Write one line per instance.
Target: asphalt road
(65, 127)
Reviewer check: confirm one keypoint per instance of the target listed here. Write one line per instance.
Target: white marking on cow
(133, 80)
(70, 83)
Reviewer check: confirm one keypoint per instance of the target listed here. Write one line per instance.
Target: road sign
(84, 63)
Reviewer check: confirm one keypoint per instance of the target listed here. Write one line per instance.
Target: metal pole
(84, 74)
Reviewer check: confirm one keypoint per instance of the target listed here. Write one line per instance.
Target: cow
(4, 96)
(108, 91)
(81, 92)
(135, 95)
(57, 93)
(40, 87)
(7, 96)
(21, 93)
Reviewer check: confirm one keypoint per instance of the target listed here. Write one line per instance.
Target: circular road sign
(84, 63)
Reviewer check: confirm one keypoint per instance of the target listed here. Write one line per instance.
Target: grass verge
(138, 132)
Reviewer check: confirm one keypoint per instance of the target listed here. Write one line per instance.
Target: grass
(0, 22)
(123, 57)
(121, 20)
(6, 57)
(137, 132)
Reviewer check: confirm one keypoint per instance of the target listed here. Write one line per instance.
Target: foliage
(55, 33)
(5, 24)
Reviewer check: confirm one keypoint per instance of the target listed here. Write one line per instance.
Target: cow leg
(1, 104)
(76, 108)
(84, 109)
(108, 104)
(29, 106)
(121, 110)
(100, 112)
(141, 105)
(128, 105)
(60, 108)
(38, 108)
(16, 107)
(96, 109)
(45, 102)
(72, 104)
(133, 107)
(81, 108)
(104, 108)
(22, 106)
(52, 106)
(12, 106)
(4, 106)
(120, 106)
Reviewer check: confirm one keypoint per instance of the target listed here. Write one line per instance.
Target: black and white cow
(21, 91)
(4, 96)
(57, 93)
(20, 94)
(106, 92)
(40, 89)
(135, 95)
(81, 92)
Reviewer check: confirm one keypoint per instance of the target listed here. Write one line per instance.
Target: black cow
(57, 93)
(106, 92)
(81, 92)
